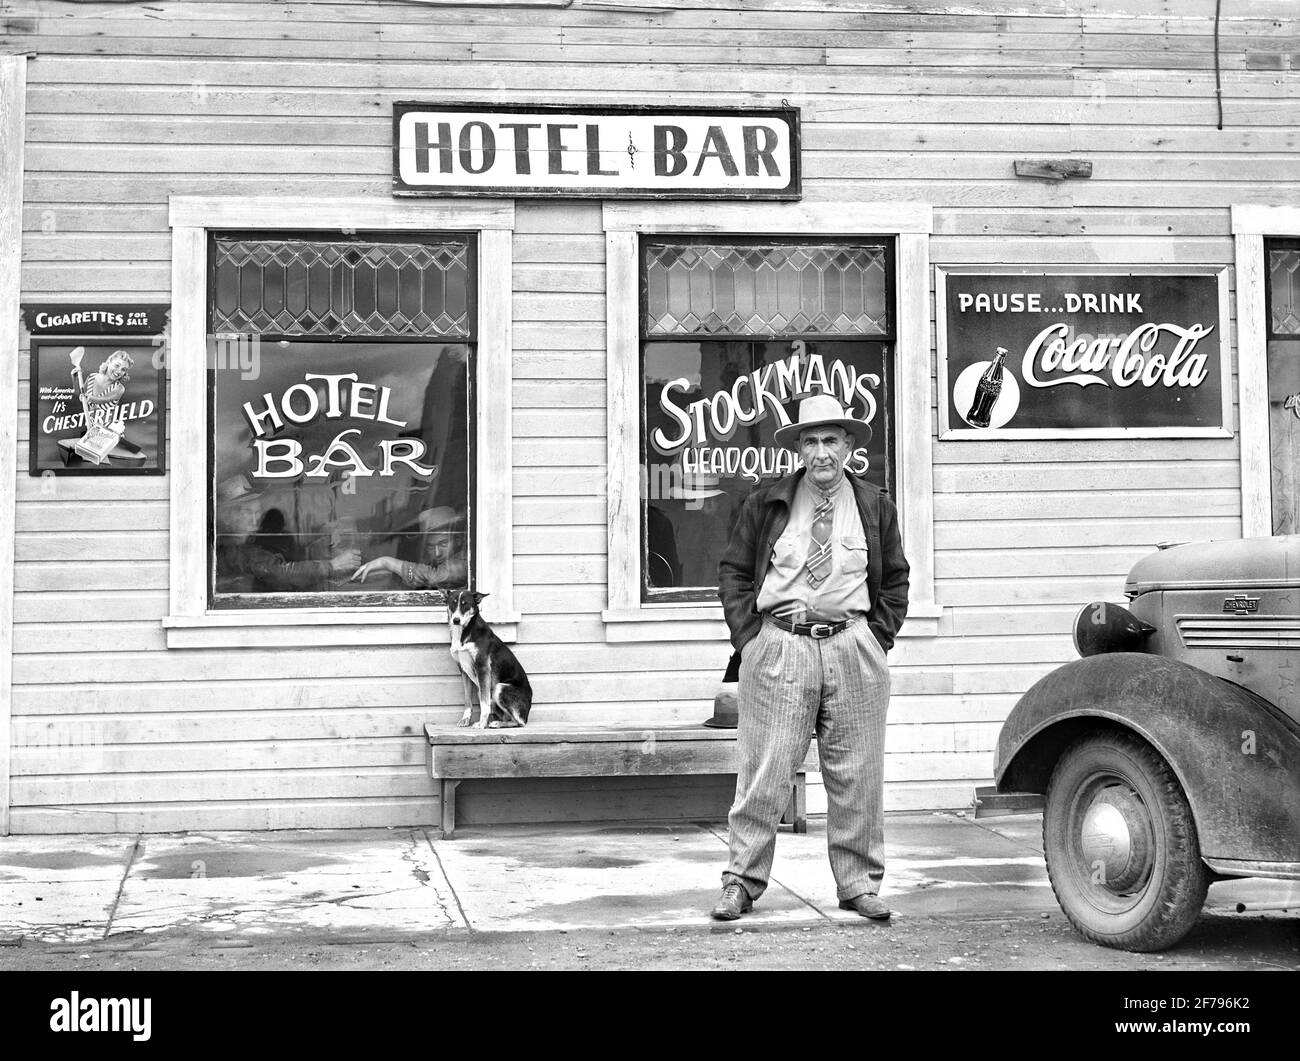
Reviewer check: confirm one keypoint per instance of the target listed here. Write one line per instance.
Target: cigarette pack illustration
(96, 408)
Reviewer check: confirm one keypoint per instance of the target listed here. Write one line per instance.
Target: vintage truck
(1168, 756)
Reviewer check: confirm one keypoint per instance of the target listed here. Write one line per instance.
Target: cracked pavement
(68, 889)
(232, 889)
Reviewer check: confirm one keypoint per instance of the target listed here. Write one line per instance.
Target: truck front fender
(1236, 756)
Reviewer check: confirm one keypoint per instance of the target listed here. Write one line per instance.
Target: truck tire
(1120, 844)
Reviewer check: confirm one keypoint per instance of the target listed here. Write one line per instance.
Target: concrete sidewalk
(387, 882)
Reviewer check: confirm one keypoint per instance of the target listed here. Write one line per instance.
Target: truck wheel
(1121, 844)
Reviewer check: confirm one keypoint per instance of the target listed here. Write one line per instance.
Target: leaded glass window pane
(765, 289)
(1284, 289)
(342, 288)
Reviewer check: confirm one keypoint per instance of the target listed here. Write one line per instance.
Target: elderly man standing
(814, 587)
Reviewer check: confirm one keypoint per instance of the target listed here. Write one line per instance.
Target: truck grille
(1244, 631)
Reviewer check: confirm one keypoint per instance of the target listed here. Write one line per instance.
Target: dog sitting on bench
(504, 695)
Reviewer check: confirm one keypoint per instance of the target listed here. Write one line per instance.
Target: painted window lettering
(339, 454)
(767, 389)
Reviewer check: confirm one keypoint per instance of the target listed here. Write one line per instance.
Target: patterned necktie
(818, 564)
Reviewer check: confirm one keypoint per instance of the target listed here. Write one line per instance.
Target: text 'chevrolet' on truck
(1169, 754)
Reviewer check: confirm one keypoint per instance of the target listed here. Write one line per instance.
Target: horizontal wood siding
(128, 104)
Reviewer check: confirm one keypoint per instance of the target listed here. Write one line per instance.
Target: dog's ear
(479, 596)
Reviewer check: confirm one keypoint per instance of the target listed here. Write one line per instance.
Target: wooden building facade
(175, 153)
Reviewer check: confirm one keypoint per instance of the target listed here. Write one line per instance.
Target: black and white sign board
(595, 152)
(1137, 352)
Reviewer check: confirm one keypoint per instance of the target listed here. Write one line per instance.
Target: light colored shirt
(786, 590)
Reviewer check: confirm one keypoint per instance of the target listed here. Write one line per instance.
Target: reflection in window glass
(1283, 361)
(1284, 432)
(336, 455)
(710, 412)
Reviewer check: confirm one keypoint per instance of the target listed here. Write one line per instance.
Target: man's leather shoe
(734, 902)
(871, 906)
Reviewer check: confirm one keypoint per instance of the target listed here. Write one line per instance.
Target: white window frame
(629, 619)
(191, 622)
(13, 104)
(1250, 226)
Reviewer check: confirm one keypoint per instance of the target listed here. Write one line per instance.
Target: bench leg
(800, 801)
(796, 811)
(449, 807)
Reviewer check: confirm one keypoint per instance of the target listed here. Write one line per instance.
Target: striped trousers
(790, 687)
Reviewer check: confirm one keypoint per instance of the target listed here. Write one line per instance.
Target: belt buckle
(820, 631)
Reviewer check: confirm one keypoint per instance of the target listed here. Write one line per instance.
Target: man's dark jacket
(762, 521)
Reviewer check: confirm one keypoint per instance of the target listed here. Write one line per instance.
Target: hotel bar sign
(595, 152)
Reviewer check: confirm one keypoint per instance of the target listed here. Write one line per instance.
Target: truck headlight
(1101, 627)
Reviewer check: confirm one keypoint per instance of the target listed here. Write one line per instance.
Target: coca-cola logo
(1117, 360)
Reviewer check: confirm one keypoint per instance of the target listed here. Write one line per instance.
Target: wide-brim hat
(236, 488)
(726, 703)
(822, 410)
(697, 486)
(439, 518)
(726, 707)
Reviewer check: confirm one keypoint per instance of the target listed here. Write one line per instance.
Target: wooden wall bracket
(1053, 169)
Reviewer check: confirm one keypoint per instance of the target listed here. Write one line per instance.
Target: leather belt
(817, 631)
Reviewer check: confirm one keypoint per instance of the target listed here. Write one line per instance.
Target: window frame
(398, 598)
(191, 621)
(626, 618)
(1270, 243)
(1251, 225)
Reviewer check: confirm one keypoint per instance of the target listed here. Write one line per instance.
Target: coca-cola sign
(1139, 353)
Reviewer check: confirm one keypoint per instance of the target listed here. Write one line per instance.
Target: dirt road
(1219, 943)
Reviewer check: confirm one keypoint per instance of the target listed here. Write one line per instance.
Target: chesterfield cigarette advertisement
(96, 407)
(1073, 353)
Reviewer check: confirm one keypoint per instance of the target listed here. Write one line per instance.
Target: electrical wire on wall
(1218, 74)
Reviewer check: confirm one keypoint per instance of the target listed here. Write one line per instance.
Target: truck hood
(1245, 563)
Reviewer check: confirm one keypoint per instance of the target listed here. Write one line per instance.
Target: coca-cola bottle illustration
(986, 392)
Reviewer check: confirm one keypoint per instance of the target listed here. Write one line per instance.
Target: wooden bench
(558, 749)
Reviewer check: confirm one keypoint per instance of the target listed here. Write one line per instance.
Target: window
(193, 621)
(638, 611)
(1283, 368)
(735, 332)
(340, 419)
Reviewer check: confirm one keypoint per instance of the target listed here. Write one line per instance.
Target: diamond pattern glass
(765, 289)
(1283, 265)
(323, 288)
